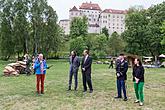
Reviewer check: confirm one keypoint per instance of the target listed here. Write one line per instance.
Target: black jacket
(138, 72)
(121, 68)
(86, 65)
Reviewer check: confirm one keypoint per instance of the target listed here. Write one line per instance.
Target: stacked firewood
(14, 69)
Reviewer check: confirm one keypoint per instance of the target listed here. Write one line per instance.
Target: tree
(143, 34)
(163, 31)
(105, 31)
(20, 27)
(6, 31)
(28, 26)
(115, 44)
(99, 46)
(77, 45)
(79, 27)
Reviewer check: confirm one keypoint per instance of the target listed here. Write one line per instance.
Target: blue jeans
(120, 87)
(75, 79)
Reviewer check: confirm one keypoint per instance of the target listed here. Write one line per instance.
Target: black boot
(69, 89)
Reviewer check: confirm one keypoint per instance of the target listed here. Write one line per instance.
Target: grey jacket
(75, 65)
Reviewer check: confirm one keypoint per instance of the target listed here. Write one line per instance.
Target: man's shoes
(91, 91)
(136, 101)
(37, 92)
(117, 97)
(75, 89)
(125, 99)
(69, 90)
(84, 90)
(141, 104)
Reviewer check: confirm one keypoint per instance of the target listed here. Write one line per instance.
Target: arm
(82, 62)
(78, 61)
(125, 67)
(37, 64)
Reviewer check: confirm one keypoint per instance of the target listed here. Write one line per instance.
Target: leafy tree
(6, 31)
(79, 27)
(115, 44)
(20, 27)
(105, 31)
(78, 45)
(143, 34)
(100, 45)
(28, 26)
(163, 31)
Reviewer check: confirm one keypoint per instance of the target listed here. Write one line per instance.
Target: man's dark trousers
(120, 87)
(87, 79)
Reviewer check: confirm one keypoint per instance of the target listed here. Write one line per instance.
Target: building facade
(113, 20)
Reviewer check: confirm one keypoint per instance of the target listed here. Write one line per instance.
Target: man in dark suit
(74, 67)
(86, 71)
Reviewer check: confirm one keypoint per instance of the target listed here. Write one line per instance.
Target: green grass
(18, 93)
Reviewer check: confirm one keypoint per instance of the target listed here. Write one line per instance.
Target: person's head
(40, 56)
(137, 61)
(86, 52)
(73, 53)
(121, 56)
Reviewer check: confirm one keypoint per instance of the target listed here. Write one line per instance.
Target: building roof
(113, 11)
(90, 6)
(74, 9)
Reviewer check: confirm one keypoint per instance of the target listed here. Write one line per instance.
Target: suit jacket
(87, 65)
(122, 68)
(74, 66)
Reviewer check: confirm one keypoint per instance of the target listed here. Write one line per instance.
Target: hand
(40, 61)
(83, 69)
(118, 74)
(137, 80)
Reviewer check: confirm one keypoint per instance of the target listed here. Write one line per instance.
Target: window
(109, 15)
(113, 16)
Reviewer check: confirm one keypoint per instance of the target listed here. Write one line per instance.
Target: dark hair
(86, 51)
(140, 63)
(121, 54)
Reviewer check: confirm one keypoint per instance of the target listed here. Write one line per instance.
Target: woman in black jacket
(138, 78)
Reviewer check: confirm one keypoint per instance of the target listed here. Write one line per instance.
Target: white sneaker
(141, 104)
(136, 101)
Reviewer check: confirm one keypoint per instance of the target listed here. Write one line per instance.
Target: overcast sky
(62, 6)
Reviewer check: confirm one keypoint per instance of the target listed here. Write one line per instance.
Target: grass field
(18, 93)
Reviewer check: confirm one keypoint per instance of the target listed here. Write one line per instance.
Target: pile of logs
(14, 69)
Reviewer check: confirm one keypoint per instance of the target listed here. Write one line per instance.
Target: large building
(113, 20)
